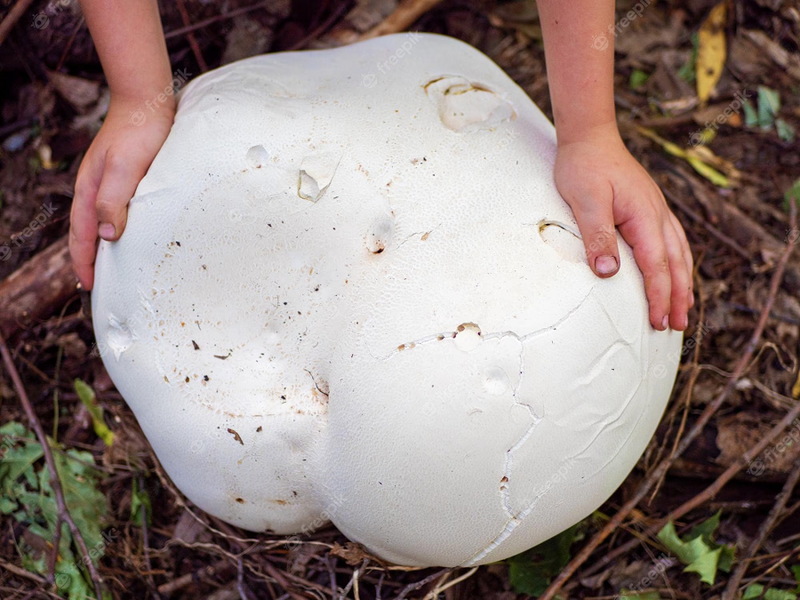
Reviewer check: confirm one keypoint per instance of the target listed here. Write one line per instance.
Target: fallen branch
(198, 54)
(14, 15)
(741, 366)
(64, 515)
(404, 16)
(37, 289)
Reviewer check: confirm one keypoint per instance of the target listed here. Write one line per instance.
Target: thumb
(121, 176)
(599, 238)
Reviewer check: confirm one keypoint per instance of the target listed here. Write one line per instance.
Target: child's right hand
(117, 160)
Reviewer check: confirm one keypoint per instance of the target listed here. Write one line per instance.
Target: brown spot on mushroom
(401, 347)
(425, 236)
(260, 429)
(504, 479)
(196, 347)
(236, 436)
(281, 502)
(240, 500)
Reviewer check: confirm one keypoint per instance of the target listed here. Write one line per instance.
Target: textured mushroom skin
(351, 292)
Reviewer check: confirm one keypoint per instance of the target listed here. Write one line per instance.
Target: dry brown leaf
(80, 93)
(354, 554)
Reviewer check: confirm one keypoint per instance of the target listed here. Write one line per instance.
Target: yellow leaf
(711, 53)
(709, 173)
(698, 160)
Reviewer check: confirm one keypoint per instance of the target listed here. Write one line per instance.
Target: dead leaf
(740, 431)
(354, 554)
(711, 53)
(80, 93)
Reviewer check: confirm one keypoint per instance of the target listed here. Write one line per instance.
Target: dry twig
(14, 15)
(404, 15)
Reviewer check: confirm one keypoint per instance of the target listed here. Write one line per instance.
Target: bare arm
(603, 184)
(132, 50)
(579, 72)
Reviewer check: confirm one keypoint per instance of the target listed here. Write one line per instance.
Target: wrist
(606, 131)
(148, 99)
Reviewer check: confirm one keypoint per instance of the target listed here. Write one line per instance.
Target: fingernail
(106, 231)
(664, 322)
(605, 264)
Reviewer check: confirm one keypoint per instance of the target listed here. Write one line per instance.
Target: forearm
(130, 42)
(580, 70)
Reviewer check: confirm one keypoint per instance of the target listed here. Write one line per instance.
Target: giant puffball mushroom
(348, 290)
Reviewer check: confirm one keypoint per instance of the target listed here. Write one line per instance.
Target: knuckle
(106, 208)
(115, 161)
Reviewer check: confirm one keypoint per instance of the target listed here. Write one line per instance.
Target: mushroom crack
(451, 335)
(513, 522)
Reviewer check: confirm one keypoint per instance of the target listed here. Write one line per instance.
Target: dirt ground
(728, 183)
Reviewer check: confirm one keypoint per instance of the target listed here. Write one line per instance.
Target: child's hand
(606, 186)
(112, 168)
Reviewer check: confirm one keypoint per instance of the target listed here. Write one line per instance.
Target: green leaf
(773, 594)
(753, 591)
(793, 193)
(785, 131)
(638, 79)
(89, 399)
(706, 529)
(698, 551)
(531, 571)
(769, 104)
(87, 504)
(750, 114)
(796, 572)
(140, 498)
(28, 496)
(687, 72)
(705, 565)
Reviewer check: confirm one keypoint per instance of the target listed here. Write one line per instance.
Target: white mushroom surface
(348, 290)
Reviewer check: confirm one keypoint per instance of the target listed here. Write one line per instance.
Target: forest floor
(726, 456)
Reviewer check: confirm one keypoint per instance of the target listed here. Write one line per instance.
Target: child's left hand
(606, 187)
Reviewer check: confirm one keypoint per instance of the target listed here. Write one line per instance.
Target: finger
(681, 279)
(596, 223)
(121, 175)
(686, 251)
(645, 234)
(83, 220)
